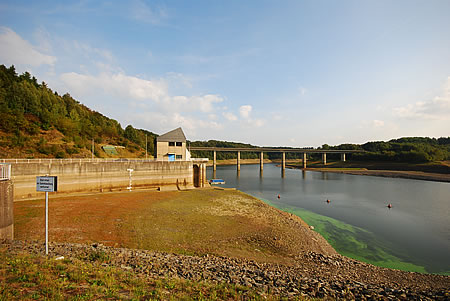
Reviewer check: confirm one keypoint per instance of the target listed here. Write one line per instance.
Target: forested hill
(409, 150)
(37, 122)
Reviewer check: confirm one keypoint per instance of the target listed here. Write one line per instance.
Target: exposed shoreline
(404, 174)
(413, 175)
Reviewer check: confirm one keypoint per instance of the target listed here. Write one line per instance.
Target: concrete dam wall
(6, 210)
(106, 176)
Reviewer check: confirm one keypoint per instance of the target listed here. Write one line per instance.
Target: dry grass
(26, 277)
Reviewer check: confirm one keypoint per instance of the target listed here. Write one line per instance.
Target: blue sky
(270, 73)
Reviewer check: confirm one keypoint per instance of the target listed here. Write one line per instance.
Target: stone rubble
(313, 275)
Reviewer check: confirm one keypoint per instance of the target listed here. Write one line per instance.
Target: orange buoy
(389, 205)
(279, 196)
(328, 201)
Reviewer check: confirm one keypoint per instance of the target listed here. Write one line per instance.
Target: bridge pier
(283, 162)
(343, 157)
(304, 160)
(324, 158)
(261, 162)
(214, 162)
(238, 161)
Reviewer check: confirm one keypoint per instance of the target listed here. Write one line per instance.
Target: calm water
(413, 235)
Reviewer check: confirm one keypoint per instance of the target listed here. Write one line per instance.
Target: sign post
(47, 184)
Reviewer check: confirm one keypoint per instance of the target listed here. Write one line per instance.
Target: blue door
(171, 157)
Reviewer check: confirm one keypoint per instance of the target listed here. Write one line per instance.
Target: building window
(171, 143)
(179, 157)
(179, 143)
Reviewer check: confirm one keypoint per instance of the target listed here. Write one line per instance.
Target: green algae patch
(353, 242)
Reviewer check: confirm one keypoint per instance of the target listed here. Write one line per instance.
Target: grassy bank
(27, 277)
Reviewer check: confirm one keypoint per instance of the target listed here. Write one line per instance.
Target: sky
(271, 73)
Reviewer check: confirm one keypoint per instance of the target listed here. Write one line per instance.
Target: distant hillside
(37, 122)
(410, 150)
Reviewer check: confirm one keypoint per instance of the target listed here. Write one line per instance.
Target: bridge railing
(5, 171)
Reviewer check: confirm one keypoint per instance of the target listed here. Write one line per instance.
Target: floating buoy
(389, 205)
(279, 196)
(328, 201)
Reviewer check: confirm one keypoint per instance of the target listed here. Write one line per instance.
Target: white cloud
(117, 84)
(87, 49)
(302, 91)
(163, 122)
(142, 12)
(256, 122)
(229, 116)
(437, 108)
(378, 123)
(17, 51)
(245, 111)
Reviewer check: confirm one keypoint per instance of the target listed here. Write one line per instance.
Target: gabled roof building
(171, 146)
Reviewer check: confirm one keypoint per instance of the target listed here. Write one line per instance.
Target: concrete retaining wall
(101, 176)
(6, 209)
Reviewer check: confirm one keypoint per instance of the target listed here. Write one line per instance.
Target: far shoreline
(403, 174)
(411, 175)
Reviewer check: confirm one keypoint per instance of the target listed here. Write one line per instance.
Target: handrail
(5, 171)
(75, 160)
(83, 160)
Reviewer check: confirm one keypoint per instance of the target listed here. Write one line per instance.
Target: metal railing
(75, 160)
(5, 171)
(83, 160)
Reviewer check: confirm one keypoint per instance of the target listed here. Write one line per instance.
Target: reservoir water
(413, 235)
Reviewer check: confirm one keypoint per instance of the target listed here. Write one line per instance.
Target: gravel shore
(312, 274)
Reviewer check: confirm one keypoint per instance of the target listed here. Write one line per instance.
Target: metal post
(46, 223)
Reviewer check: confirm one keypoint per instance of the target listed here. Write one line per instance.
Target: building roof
(175, 135)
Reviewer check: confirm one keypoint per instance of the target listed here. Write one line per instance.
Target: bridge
(263, 150)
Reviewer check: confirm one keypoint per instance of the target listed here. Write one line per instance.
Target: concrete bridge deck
(263, 150)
